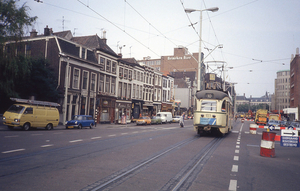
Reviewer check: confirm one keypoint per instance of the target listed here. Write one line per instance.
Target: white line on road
(124, 133)
(11, 151)
(235, 168)
(75, 141)
(232, 185)
(47, 145)
(96, 137)
(112, 135)
(11, 136)
(238, 146)
(237, 151)
(236, 158)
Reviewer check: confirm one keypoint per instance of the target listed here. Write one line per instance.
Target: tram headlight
(202, 115)
(214, 116)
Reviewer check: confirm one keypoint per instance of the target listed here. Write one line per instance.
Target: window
(155, 80)
(113, 86)
(121, 72)
(85, 80)
(142, 77)
(113, 68)
(29, 110)
(133, 91)
(138, 76)
(93, 82)
(209, 105)
(101, 83)
(137, 91)
(83, 53)
(120, 89)
(129, 91)
(125, 73)
(102, 64)
(108, 65)
(76, 78)
(124, 90)
(154, 94)
(134, 74)
(107, 84)
(141, 92)
(158, 95)
(130, 74)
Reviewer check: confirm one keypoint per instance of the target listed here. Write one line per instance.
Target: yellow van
(31, 114)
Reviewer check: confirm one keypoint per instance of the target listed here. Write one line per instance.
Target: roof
(94, 42)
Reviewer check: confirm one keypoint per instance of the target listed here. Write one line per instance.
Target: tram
(214, 112)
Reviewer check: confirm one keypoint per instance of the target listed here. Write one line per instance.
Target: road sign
(289, 138)
(271, 127)
(290, 127)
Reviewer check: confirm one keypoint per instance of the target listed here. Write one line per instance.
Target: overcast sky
(258, 36)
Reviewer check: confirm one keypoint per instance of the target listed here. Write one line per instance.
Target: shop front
(167, 107)
(156, 107)
(147, 108)
(105, 109)
(136, 107)
(123, 111)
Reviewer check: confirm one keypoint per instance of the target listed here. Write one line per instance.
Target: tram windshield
(208, 105)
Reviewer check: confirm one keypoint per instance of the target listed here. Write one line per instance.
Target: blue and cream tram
(214, 112)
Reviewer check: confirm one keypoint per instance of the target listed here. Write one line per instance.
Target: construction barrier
(267, 145)
(253, 128)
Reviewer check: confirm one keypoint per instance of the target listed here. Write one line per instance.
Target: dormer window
(83, 53)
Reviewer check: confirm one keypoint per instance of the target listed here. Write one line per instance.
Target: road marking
(96, 137)
(237, 151)
(11, 136)
(124, 133)
(237, 146)
(112, 135)
(47, 145)
(75, 141)
(252, 145)
(234, 168)
(237, 143)
(11, 151)
(232, 185)
(135, 132)
(36, 134)
(236, 158)
(246, 132)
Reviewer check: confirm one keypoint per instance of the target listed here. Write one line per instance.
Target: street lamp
(213, 9)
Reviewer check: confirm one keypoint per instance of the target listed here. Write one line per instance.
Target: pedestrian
(181, 121)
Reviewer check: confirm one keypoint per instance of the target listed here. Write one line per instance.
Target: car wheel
(79, 126)
(48, 126)
(26, 126)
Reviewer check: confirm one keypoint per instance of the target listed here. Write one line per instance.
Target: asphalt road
(154, 157)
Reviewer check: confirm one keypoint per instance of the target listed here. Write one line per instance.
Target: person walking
(181, 121)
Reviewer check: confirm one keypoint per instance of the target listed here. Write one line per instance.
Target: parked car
(275, 123)
(284, 124)
(156, 120)
(144, 120)
(80, 121)
(166, 117)
(176, 119)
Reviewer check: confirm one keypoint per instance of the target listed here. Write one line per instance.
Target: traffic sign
(289, 138)
(271, 127)
(290, 127)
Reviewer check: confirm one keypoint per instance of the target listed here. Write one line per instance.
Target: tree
(13, 68)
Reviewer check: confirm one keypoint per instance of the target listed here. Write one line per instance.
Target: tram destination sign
(289, 138)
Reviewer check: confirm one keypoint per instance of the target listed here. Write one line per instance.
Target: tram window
(224, 106)
(209, 105)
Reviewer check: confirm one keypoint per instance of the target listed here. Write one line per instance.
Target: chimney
(120, 55)
(297, 51)
(104, 37)
(46, 31)
(33, 33)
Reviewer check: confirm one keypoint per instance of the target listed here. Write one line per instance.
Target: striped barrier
(253, 128)
(267, 145)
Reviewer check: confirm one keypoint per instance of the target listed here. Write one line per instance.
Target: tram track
(182, 180)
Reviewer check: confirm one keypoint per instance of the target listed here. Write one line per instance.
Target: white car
(176, 119)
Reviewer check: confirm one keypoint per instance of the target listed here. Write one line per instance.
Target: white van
(166, 117)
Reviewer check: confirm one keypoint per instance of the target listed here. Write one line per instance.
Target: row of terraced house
(100, 82)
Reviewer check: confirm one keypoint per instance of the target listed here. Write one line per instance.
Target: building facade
(295, 80)
(282, 90)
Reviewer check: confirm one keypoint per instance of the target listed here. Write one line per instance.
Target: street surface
(153, 157)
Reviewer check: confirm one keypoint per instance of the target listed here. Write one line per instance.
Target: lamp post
(213, 9)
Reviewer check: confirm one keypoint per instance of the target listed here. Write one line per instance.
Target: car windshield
(143, 117)
(208, 105)
(16, 109)
(77, 117)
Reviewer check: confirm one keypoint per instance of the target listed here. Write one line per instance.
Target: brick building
(295, 80)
